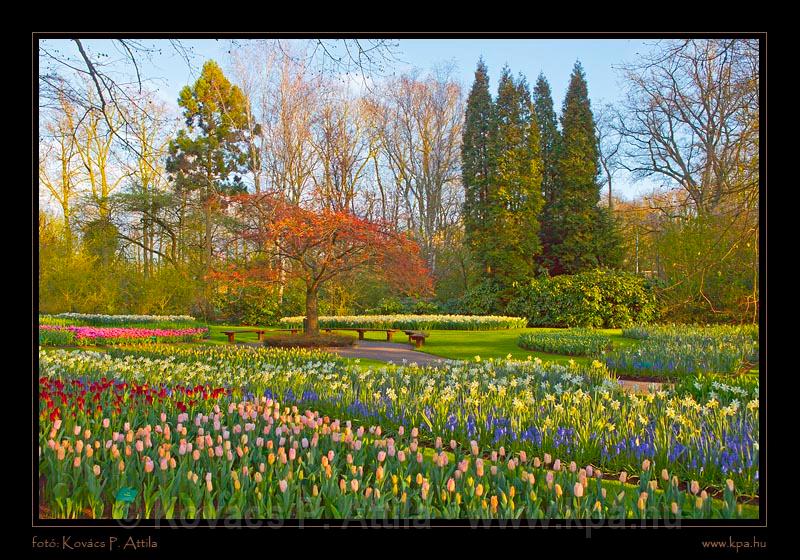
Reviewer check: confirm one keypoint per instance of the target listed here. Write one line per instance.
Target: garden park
(271, 332)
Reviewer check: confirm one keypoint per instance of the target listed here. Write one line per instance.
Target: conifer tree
(582, 237)
(476, 165)
(516, 197)
(550, 139)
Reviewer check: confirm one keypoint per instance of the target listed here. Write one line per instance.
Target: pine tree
(581, 236)
(550, 139)
(206, 157)
(516, 197)
(476, 165)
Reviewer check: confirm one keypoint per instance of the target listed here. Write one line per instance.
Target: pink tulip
(148, 465)
(106, 422)
(401, 456)
(381, 456)
(578, 490)
(283, 485)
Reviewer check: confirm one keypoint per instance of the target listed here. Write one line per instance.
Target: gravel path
(387, 352)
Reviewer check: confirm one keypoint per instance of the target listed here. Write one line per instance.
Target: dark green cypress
(516, 197)
(581, 236)
(550, 139)
(476, 165)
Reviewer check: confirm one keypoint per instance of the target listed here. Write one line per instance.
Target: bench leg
(261, 337)
(327, 331)
(389, 335)
(360, 335)
(230, 338)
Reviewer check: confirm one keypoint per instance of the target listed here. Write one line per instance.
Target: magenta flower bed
(121, 335)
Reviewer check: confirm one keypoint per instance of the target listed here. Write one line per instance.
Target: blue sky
(554, 57)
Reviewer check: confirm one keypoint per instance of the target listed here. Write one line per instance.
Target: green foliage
(56, 338)
(597, 298)
(101, 239)
(399, 306)
(247, 305)
(481, 299)
(572, 342)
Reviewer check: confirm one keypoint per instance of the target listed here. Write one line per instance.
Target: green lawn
(456, 345)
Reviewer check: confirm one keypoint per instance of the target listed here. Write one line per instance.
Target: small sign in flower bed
(572, 342)
(55, 335)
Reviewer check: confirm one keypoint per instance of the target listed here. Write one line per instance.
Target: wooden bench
(232, 334)
(417, 337)
(389, 332)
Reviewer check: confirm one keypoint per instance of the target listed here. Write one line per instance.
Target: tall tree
(318, 247)
(476, 165)
(550, 142)
(57, 162)
(206, 157)
(516, 197)
(583, 236)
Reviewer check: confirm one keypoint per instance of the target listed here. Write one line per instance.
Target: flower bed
(98, 320)
(683, 350)
(123, 450)
(570, 411)
(571, 342)
(415, 322)
(52, 335)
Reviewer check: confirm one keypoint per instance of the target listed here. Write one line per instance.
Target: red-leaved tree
(318, 246)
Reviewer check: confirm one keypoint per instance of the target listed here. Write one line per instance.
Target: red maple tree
(318, 246)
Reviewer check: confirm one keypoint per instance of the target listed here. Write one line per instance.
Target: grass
(450, 344)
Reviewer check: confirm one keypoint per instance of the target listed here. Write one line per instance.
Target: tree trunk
(312, 316)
